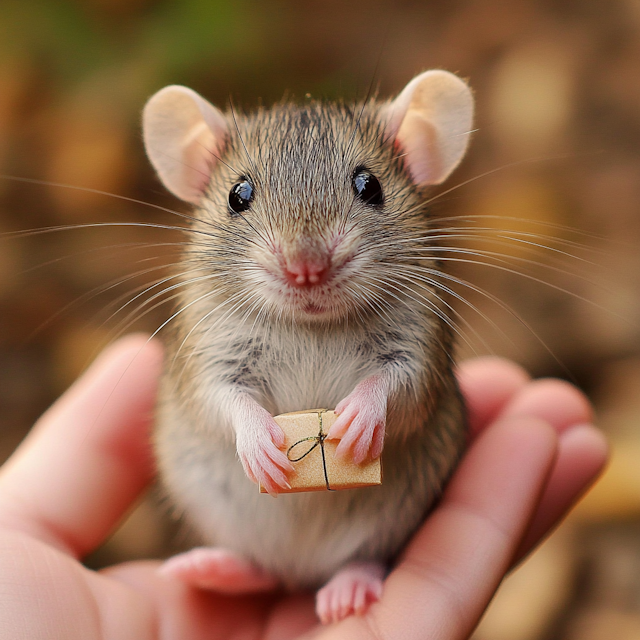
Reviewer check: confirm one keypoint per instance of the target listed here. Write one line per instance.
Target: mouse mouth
(313, 309)
(306, 289)
(314, 302)
(322, 302)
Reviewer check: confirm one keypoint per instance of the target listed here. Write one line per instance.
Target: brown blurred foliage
(548, 199)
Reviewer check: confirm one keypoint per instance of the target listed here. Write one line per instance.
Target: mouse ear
(431, 122)
(183, 134)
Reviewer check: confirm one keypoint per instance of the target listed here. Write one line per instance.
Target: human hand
(89, 457)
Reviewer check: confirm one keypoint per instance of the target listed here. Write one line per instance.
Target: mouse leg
(351, 590)
(218, 570)
(362, 417)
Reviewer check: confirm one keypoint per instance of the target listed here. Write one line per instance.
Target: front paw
(258, 441)
(362, 417)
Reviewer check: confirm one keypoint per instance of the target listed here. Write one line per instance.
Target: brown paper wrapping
(309, 471)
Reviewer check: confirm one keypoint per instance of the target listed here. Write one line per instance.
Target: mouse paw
(351, 590)
(217, 570)
(257, 441)
(362, 417)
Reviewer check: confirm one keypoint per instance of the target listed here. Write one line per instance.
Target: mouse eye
(367, 187)
(240, 197)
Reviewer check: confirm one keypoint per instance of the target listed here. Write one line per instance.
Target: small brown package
(314, 471)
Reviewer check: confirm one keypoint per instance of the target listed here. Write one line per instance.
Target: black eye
(240, 197)
(367, 187)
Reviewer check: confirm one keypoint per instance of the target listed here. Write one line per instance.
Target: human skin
(532, 453)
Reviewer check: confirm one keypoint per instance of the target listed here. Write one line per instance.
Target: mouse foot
(218, 570)
(258, 438)
(351, 590)
(361, 421)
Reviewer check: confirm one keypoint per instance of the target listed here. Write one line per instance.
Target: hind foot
(351, 590)
(217, 570)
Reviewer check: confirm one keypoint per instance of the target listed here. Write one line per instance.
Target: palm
(88, 459)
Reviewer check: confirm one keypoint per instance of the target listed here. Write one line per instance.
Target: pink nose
(301, 273)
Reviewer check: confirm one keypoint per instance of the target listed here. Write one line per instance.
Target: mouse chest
(302, 370)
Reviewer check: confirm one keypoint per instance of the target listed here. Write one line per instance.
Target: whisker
(514, 219)
(433, 308)
(528, 277)
(138, 313)
(94, 292)
(99, 225)
(244, 146)
(508, 165)
(503, 258)
(47, 183)
(500, 304)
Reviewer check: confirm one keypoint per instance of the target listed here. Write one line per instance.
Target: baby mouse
(308, 280)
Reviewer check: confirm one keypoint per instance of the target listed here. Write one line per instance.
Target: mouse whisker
(425, 302)
(374, 300)
(497, 301)
(99, 290)
(494, 234)
(237, 128)
(435, 284)
(523, 275)
(97, 225)
(236, 300)
(441, 253)
(149, 305)
(531, 222)
(194, 349)
(60, 185)
(484, 174)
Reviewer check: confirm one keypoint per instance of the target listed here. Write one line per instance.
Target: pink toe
(350, 591)
(360, 599)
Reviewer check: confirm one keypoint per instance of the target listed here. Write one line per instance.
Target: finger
(487, 385)
(559, 403)
(47, 594)
(88, 457)
(185, 612)
(582, 455)
(582, 451)
(456, 561)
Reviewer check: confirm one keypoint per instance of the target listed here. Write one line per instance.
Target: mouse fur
(308, 297)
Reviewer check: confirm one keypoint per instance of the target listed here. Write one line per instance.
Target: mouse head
(305, 209)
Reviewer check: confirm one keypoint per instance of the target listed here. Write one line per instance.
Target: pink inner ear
(199, 156)
(418, 140)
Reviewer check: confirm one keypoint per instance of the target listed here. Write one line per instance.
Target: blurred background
(548, 199)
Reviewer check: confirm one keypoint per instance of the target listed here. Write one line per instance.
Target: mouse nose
(306, 273)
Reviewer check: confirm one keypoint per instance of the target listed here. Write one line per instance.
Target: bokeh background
(548, 200)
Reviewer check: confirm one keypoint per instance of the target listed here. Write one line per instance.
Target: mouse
(308, 278)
